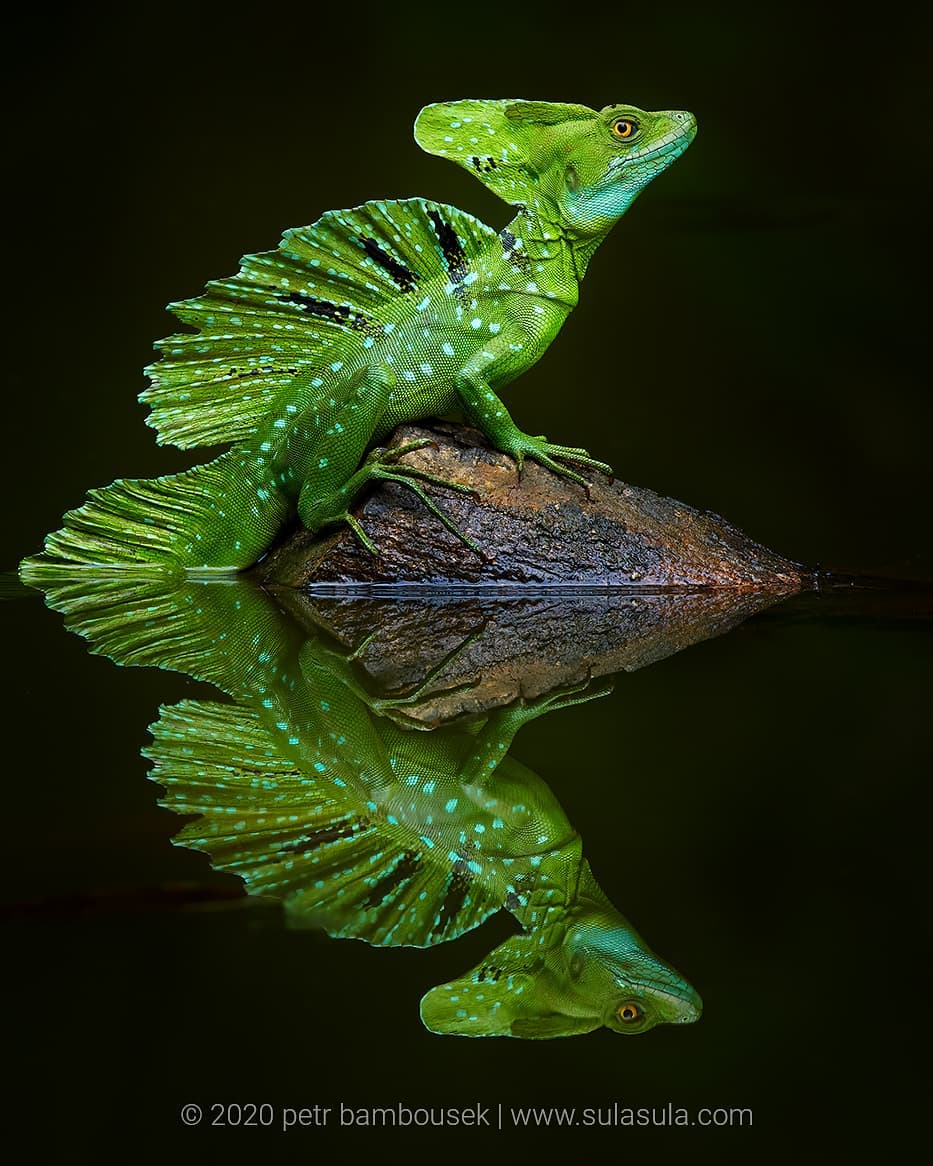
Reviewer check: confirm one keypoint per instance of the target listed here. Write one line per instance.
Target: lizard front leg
(495, 737)
(486, 410)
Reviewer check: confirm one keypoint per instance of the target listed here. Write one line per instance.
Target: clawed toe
(543, 452)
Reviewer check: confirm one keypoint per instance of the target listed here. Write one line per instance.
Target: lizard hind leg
(330, 478)
(385, 466)
(317, 510)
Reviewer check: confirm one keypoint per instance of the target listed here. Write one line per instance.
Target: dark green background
(752, 338)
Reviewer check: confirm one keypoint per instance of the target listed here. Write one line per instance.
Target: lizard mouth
(681, 998)
(666, 150)
(685, 1007)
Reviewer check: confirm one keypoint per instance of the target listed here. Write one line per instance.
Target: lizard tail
(214, 517)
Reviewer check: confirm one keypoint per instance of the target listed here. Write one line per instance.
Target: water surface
(751, 800)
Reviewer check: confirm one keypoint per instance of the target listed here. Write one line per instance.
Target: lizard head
(569, 163)
(611, 966)
(586, 967)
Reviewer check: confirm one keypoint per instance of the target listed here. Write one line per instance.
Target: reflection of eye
(623, 128)
(629, 1013)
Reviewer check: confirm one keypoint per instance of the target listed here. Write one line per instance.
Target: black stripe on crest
(454, 257)
(458, 888)
(403, 870)
(402, 275)
(330, 833)
(339, 313)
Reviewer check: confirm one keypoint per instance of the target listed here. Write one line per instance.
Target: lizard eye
(629, 1012)
(624, 129)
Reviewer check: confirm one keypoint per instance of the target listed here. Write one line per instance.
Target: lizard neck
(541, 250)
(556, 256)
(583, 248)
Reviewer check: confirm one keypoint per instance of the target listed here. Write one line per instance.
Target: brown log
(535, 529)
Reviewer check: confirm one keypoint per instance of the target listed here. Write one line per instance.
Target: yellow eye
(623, 128)
(629, 1013)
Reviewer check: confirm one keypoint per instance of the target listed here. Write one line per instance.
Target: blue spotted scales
(370, 317)
(324, 797)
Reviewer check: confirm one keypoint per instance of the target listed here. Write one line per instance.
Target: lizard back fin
(308, 309)
(334, 860)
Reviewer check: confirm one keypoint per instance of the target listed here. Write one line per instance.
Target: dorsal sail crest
(333, 860)
(322, 298)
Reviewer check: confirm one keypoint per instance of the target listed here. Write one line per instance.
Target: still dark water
(756, 805)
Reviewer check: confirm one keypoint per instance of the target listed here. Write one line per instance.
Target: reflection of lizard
(380, 833)
(373, 316)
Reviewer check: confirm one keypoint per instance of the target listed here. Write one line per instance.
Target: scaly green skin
(374, 831)
(371, 317)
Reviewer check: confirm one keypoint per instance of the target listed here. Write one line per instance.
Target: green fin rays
(311, 308)
(334, 861)
(145, 524)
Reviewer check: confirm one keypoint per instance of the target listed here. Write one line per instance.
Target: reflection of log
(500, 648)
(541, 529)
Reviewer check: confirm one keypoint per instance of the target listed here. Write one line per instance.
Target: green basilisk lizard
(368, 318)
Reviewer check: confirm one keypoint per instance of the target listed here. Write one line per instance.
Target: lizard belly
(425, 354)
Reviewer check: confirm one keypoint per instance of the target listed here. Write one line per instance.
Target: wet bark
(536, 529)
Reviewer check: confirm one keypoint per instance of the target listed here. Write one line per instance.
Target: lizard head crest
(570, 163)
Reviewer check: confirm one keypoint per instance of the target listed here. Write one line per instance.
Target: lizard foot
(541, 450)
(579, 693)
(317, 512)
(340, 663)
(386, 468)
